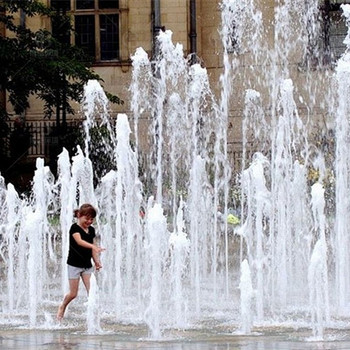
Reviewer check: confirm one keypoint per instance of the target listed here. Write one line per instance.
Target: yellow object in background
(233, 220)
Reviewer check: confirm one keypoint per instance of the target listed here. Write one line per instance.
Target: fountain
(182, 265)
(341, 167)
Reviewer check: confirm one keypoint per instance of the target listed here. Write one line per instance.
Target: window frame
(330, 9)
(123, 54)
(338, 3)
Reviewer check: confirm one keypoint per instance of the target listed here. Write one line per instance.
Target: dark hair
(85, 210)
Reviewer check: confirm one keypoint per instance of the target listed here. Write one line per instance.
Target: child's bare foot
(60, 312)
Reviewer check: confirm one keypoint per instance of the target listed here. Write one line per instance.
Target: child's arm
(82, 243)
(96, 259)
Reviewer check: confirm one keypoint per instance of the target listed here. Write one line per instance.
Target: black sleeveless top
(79, 256)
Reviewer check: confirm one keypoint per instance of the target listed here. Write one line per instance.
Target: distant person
(142, 212)
(81, 250)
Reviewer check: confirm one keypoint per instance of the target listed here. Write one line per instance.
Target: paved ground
(63, 339)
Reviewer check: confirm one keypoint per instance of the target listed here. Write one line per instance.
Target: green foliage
(4, 147)
(67, 136)
(114, 99)
(101, 152)
(37, 63)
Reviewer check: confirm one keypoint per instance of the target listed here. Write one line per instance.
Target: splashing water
(181, 264)
(342, 170)
(93, 307)
(318, 270)
(247, 294)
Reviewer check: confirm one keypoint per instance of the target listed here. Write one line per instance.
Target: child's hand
(97, 249)
(98, 265)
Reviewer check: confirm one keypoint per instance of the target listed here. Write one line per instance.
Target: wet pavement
(67, 339)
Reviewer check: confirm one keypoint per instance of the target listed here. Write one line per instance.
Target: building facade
(301, 40)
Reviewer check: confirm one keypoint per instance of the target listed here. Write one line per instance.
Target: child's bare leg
(86, 280)
(73, 292)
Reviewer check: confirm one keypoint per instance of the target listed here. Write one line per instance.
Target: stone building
(300, 40)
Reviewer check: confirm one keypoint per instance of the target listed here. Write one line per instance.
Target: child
(81, 250)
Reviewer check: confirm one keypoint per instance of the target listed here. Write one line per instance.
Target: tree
(43, 64)
(36, 62)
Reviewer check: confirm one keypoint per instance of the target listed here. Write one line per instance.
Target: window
(61, 5)
(335, 29)
(61, 26)
(96, 25)
(85, 4)
(109, 36)
(85, 33)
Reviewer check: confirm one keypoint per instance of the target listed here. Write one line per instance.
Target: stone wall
(136, 31)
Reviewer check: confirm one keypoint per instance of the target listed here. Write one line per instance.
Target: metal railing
(42, 134)
(39, 133)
